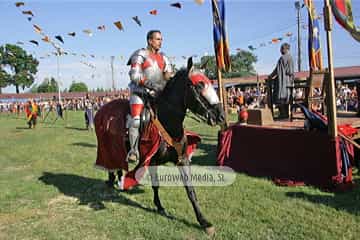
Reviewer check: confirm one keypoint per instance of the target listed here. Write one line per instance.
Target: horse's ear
(189, 64)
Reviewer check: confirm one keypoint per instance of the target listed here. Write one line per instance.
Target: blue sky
(186, 31)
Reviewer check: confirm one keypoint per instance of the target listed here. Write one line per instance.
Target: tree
(78, 87)
(242, 65)
(22, 66)
(48, 86)
(4, 79)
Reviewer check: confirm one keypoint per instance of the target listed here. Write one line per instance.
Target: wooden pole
(223, 101)
(331, 103)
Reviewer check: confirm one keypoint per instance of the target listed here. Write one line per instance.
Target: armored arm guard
(136, 72)
(168, 67)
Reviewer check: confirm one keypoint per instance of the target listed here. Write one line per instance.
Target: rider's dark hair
(150, 34)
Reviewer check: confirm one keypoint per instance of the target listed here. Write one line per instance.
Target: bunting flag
(137, 20)
(276, 40)
(119, 25)
(176, 5)
(28, 13)
(101, 27)
(29, 19)
(220, 38)
(153, 12)
(58, 37)
(19, 4)
(342, 10)
(37, 28)
(46, 39)
(200, 2)
(314, 48)
(88, 32)
(34, 42)
(72, 34)
(251, 47)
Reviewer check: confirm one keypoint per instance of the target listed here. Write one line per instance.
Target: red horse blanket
(110, 127)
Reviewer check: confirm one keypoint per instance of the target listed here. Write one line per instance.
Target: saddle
(149, 116)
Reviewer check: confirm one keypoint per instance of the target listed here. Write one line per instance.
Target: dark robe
(283, 76)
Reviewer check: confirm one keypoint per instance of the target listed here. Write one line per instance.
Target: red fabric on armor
(136, 109)
(146, 64)
(133, 65)
(159, 59)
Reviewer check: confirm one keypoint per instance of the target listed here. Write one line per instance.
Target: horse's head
(202, 98)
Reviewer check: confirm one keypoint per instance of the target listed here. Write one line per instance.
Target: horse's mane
(181, 74)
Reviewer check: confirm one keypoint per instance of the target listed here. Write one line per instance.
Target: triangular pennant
(34, 42)
(58, 37)
(29, 19)
(153, 12)
(275, 40)
(200, 2)
(119, 25)
(37, 28)
(177, 5)
(251, 47)
(88, 32)
(19, 4)
(46, 39)
(28, 13)
(137, 20)
(101, 27)
(72, 34)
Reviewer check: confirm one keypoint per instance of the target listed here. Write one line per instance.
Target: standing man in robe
(282, 79)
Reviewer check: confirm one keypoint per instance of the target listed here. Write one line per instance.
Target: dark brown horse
(186, 90)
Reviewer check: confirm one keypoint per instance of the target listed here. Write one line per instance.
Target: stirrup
(132, 156)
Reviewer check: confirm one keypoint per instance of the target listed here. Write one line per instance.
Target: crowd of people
(254, 97)
(31, 109)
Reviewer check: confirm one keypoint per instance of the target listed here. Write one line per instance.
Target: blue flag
(221, 43)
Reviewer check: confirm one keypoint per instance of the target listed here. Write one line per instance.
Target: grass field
(49, 189)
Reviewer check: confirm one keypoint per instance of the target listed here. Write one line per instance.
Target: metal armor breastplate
(153, 68)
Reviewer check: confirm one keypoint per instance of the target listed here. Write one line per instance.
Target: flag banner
(314, 47)
(221, 44)
(342, 10)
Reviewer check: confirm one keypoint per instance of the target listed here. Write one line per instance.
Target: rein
(179, 146)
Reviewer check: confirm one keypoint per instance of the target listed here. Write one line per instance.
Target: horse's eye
(200, 86)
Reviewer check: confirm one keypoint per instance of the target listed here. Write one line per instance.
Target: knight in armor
(149, 72)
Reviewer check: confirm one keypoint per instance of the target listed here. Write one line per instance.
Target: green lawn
(49, 189)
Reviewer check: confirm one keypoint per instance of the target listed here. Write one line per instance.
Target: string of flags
(119, 24)
(101, 28)
(272, 41)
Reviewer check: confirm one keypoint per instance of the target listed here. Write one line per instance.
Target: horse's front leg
(186, 178)
(155, 187)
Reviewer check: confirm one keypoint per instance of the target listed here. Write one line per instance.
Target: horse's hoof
(165, 214)
(210, 231)
(109, 184)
